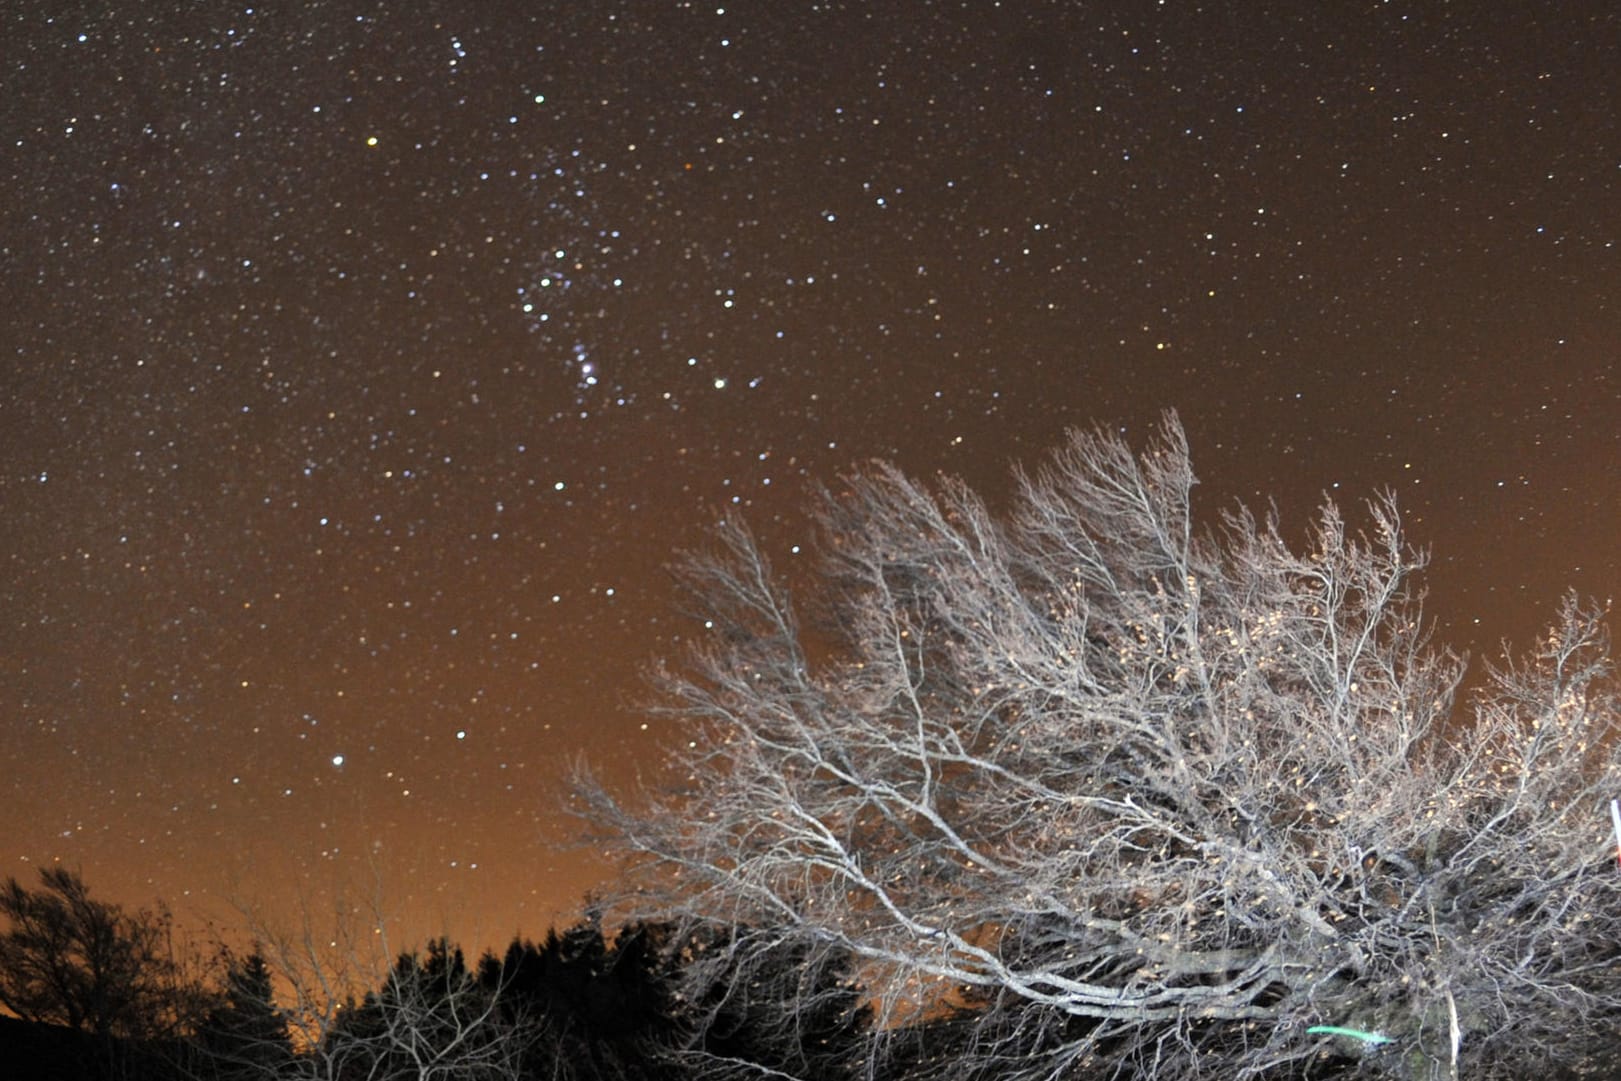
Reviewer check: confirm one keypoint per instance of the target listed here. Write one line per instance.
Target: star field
(366, 364)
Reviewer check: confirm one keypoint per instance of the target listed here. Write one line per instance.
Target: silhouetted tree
(1178, 797)
(429, 1021)
(68, 959)
(425, 1018)
(245, 1035)
(595, 1011)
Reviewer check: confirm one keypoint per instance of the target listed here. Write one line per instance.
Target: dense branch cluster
(1143, 797)
(69, 959)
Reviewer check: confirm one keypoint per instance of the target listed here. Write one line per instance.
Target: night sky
(367, 364)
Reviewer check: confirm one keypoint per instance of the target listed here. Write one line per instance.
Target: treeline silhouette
(95, 1000)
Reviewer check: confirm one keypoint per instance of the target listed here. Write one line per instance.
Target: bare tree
(1147, 799)
(69, 959)
(350, 1014)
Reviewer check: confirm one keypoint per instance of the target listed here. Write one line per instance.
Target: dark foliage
(652, 1003)
(592, 1010)
(244, 1036)
(68, 959)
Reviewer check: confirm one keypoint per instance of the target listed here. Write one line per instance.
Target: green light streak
(1354, 1033)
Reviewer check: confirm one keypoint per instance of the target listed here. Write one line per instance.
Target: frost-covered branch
(1182, 796)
